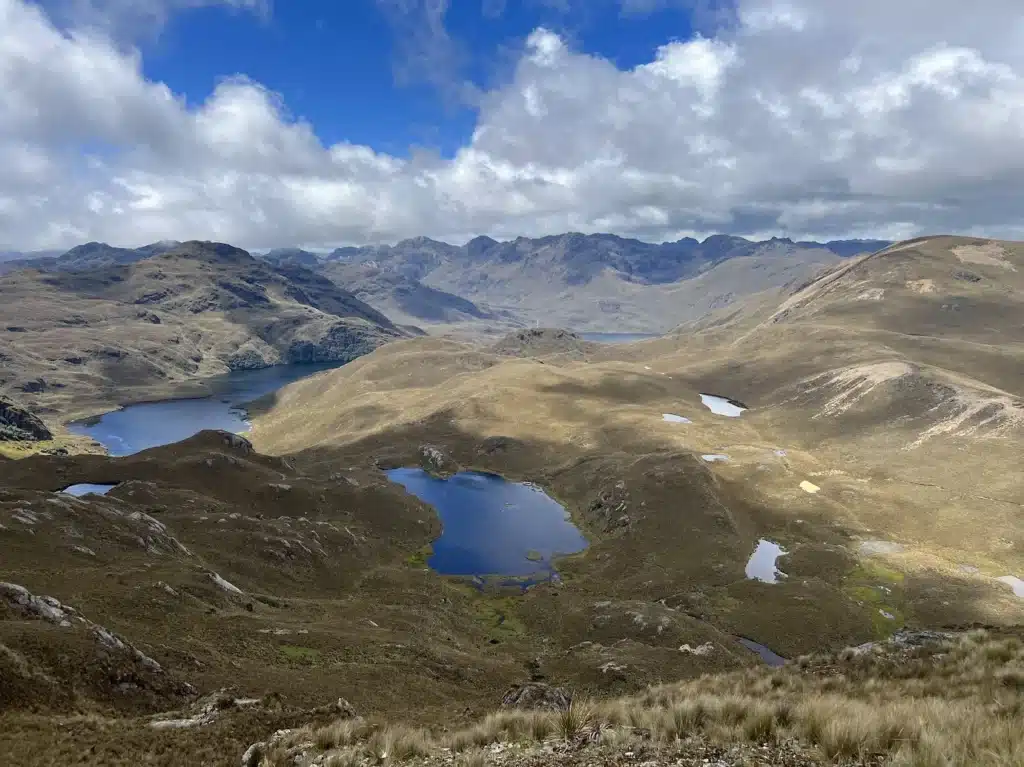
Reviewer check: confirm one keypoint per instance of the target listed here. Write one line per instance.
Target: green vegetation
(880, 590)
(23, 449)
(420, 557)
(298, 654)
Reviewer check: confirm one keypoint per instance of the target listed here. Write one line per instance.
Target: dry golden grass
(955, 704)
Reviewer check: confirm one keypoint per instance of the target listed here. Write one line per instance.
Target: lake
(491, 526)
(761, 565)
(617, 338)
(150, 424)
(87, 488)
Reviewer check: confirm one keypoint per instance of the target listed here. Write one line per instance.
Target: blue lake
(491, 526)
(150, 424)
(87, 488)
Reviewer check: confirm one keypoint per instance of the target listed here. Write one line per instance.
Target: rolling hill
(78, 341)
(890, 386)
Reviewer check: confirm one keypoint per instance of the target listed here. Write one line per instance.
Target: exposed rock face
(436, 461)
(537, 695)
(247, 358)
(17, 423)
(341, 342)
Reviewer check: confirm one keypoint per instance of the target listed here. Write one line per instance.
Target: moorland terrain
(74, 342)
(228, 589)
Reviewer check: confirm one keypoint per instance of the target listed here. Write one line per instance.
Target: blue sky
(130, 121)
(343, 65)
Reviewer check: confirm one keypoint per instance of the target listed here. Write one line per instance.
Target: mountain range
(596, 282)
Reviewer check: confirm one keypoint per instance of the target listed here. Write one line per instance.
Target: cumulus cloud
(803, 117)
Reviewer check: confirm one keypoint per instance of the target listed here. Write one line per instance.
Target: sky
(316, 124)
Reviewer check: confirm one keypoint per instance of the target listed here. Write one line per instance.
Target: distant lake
(491, 526)
(150, 424)
(617, 338)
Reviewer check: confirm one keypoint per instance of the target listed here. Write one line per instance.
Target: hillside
(404, 299)
(856, 430)
(80, 341)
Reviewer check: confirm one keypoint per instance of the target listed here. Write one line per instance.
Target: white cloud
(804, 117)
(128, 19)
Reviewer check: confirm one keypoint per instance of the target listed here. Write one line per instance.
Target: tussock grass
(472, 759)
(956, 704)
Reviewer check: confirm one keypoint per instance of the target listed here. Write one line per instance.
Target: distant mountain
(578, 258)
(403, 298)
(11, 260)
(292, 257)
(598, 282)
(849, 248)
(91, 255)
(199, 309)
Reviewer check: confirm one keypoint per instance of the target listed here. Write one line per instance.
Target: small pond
(150, 424)
(761, 565)
(1014, 583)
(723, 405)
(491, 526)
(617, 338)
(86, 488)
(768, 656)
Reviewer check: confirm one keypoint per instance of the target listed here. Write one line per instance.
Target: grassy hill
(900, 433)
(73, 342)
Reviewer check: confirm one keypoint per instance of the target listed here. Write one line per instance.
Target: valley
(827, 460)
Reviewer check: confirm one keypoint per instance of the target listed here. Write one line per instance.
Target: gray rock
(537, 695)
(17, 423)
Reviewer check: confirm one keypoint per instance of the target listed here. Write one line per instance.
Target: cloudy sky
(269, 124)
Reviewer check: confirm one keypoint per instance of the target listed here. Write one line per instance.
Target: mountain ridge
(104, 335)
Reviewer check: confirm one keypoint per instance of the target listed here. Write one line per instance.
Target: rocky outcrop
(248, 357)
(537, 695)
(61, 659)
(295, 747)
(51, 610)
(17, 423)
(342, 341)
(436, 461)
(204, 711)
(538, 342)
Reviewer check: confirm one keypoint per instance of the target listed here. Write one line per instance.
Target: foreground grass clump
(957, 702)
